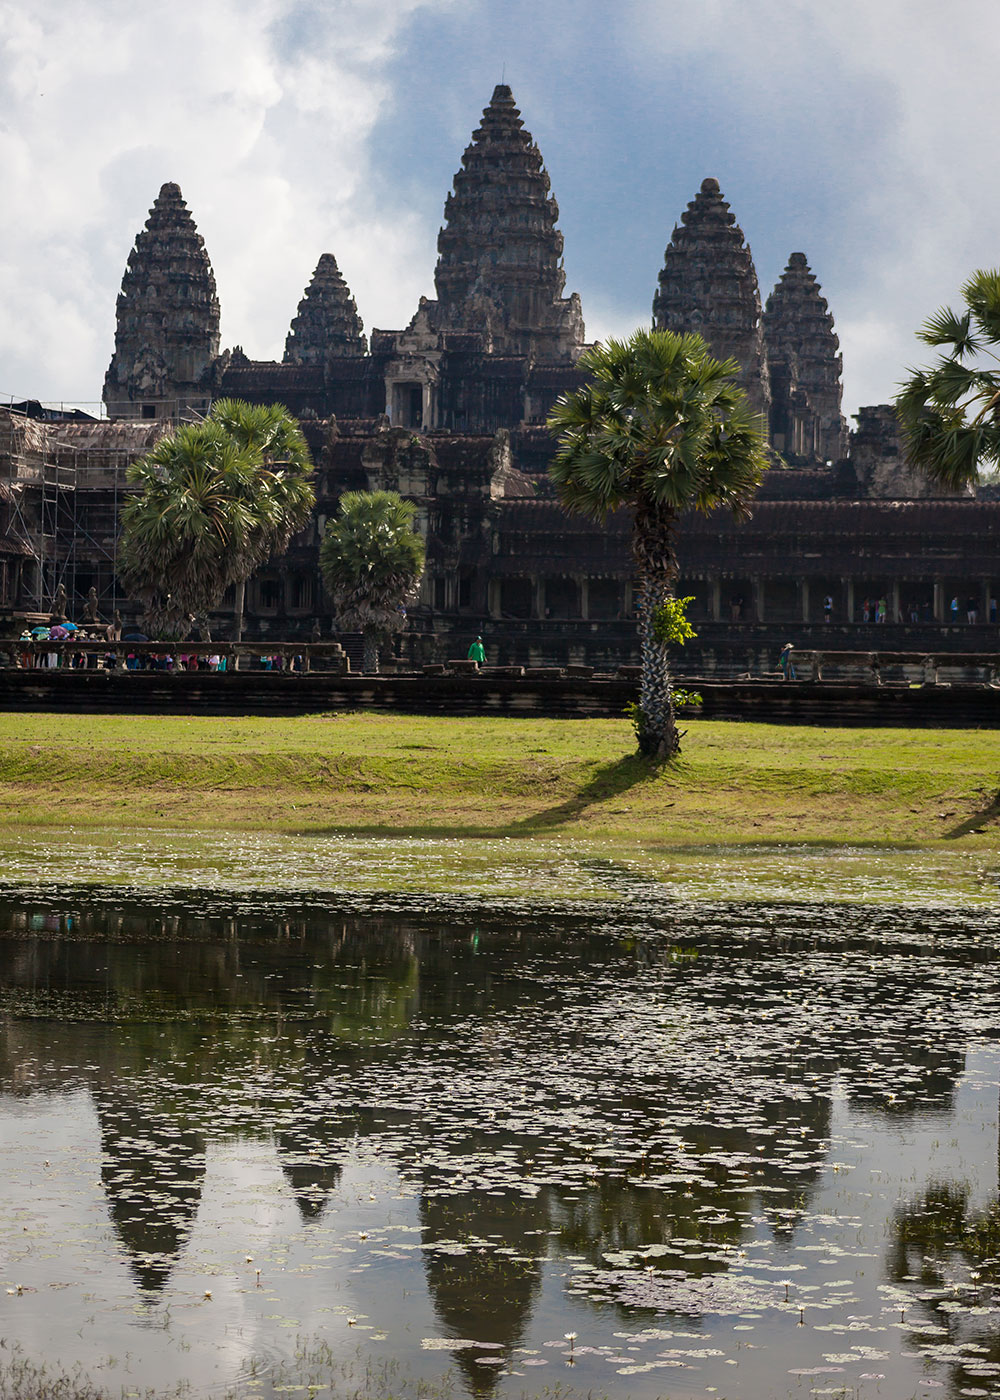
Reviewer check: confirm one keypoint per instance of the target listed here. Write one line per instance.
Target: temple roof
(327, 323)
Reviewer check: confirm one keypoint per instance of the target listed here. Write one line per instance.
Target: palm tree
(659, 428)
(372, 562)
(950, 414)
(282, 492)
(180, 528)
(216, 499)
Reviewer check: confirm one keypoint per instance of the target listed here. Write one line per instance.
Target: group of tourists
(972, 610)
(33, 655)
(874, 610)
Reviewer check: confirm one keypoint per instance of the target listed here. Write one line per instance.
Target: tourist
(881, 610)
(954, 609)
(477, 652)
(972, 610)
(993, 612)
(785, 662)
(866, 610)
(827, 607)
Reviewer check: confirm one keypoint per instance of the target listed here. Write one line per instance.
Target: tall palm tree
(216, 499)
(282, 492)
(660, 428)
(372, 562)
(950, 414)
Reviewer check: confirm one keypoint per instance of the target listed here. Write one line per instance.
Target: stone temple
(450, 411)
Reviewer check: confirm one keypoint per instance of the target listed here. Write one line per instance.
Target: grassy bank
(383, 774)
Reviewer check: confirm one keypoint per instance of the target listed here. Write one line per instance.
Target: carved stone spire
(168, 316)
(327, 323)
(500, 254)
(803, 353)
(709, 285)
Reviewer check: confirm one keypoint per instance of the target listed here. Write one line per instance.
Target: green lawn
(482, 777)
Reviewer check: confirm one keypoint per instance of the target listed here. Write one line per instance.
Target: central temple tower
(499, 264)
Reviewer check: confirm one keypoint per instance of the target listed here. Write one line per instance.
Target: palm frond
(946, 328)
(647, 425)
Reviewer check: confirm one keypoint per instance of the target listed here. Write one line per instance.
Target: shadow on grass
(609, 781)
(989, 813)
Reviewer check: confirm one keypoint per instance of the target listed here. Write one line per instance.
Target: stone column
(939, 600)
(583, 583)
(493, 597)
(849, 598)
(894, 601)
(984, 605)
(716, 600)
(628, 602)
(539, 585)
(427, 405)
(804, 598)
(757, 584)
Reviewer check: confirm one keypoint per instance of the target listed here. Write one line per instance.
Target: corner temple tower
(327, 322)
(167, 330)
(805, 364)
(709, 285)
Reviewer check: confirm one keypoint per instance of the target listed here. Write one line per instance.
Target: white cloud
(259, 109)
(861, 131)
(896, 101)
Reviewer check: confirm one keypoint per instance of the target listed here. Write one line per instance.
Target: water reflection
(950, 1248)
(642, 1102)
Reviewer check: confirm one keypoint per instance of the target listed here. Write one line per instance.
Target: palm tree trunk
(369, 651)
(656, 568)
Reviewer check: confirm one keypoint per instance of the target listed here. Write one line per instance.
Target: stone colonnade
(768, 598)
(753, 598)
(570, 595)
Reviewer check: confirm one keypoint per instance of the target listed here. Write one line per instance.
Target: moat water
(318, 1144)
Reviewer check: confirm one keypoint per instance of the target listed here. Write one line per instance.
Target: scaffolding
(40, 500)
(60, 482)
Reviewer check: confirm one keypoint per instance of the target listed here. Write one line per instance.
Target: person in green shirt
(477, 652)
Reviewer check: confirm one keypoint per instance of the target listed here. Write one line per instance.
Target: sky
(860, 132)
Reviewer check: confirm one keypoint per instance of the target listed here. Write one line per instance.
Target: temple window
(300, 592)
(516, 597)
(562, 597)
(269, 594)
(604, 601)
